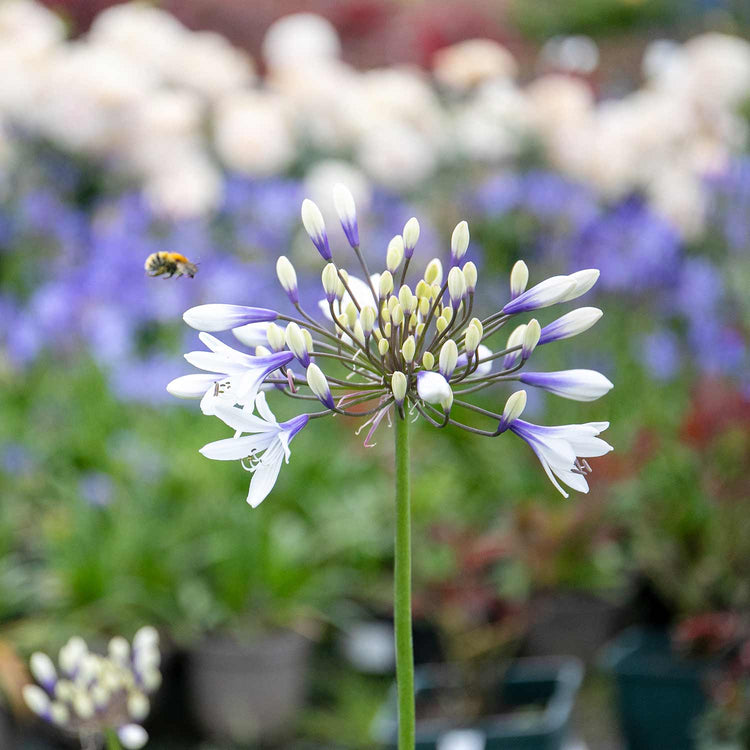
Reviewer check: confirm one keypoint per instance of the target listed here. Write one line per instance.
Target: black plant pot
(537, 696)
(660, 694)
(248, 691)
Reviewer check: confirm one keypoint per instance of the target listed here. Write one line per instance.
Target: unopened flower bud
(359, 333)
(395, 253)
(308, 340)
(434, 272)
(36, 699)
(515, 339)
(514, 407)
(530, 338)
(383, 347)
(319, 385)
(478, 325)
(138, 705)
(398, 386)
(351, 313)
(448, 358)
(132, 736)
(59, 713)
(419, 329)
(472, 337)
(312, 219)
(385, 285)
(447, 401)
(411, 236)
(456, 286)
(397, 315)
(407, 299)
(83, 705)
(424, 306)
(287, 278)
(583, 281)
(343, 202)
(470, 276)
(459, 242)
(428, 360)
(441, 324)
(295, 340)
(408, 349)
(570, 324)
(43, 670)
(331, 282)
(447, 313)
(119, 649)
(519, 278)
(432, 387)
(423, 289)
(275, 336)
(367, 318)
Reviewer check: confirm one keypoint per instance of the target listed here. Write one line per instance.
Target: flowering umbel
(388, 348)
(88, 695)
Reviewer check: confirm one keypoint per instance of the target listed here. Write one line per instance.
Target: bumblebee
(169, 264)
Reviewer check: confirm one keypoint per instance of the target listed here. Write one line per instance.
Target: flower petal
(192, 386)
(265, 475)
(235, 449)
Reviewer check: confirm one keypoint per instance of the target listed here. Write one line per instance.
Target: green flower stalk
(407, 351)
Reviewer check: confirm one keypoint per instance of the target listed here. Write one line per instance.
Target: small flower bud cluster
(89, 694)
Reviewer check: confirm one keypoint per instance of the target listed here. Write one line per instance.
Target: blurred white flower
(466, 64)
(253, 133)
(299, 40)
(189, 186)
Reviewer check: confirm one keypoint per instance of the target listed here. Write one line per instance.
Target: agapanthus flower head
(89, 694)
(390, 346)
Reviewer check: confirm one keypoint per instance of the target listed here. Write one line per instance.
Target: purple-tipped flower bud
(456, 286)
(448, 358)
(398, 387)
(530, 338)
(218, 317)
(343, 202)
(319, 385)
(570, 324)
(514, 407)
(519, 278)
(312, 219)
(411, 236)
(287, 278)
(459, 242)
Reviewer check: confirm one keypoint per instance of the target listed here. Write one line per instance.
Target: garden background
(611, 134)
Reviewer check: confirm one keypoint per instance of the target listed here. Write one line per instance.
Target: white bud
(514, 407)
(448, 358)
(312, 219)
(367, 318)
(459, 241)
(397, 315)
(359, 333)
(385, 285)
(295, 340)
(151, 679)
(383, 347)
(428, 360)
(395, 253)
(530, 338)
(408, 349)
(432, 387)
(319, 385)
(132, 736)
(583, 281)
(119, 649)
(434, 272)
(36, 699)
(331, 282)
(519, 278)
(138, 705)
(478, 325)
(275, 337)
(470, 276)
(59, 713)
(83, 705)
(571, 324)
(72, 653)
(147, 636)
(456, 286)
(43, 669)
(447, 401)
(287, 278)
(407, 299)
(398, 386)
(343, 202)
(472, 337)
(411, 236)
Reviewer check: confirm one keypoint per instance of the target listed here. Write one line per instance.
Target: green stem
(402, 591)
(112, 742)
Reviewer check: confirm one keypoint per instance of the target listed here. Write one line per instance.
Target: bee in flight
(169, 264)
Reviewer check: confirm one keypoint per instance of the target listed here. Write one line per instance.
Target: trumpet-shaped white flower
(261, 440)
(578, 385)
(239, 376)
(560, 450)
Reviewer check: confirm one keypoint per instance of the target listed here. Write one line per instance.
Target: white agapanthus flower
(398, 347)
(89, 695)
